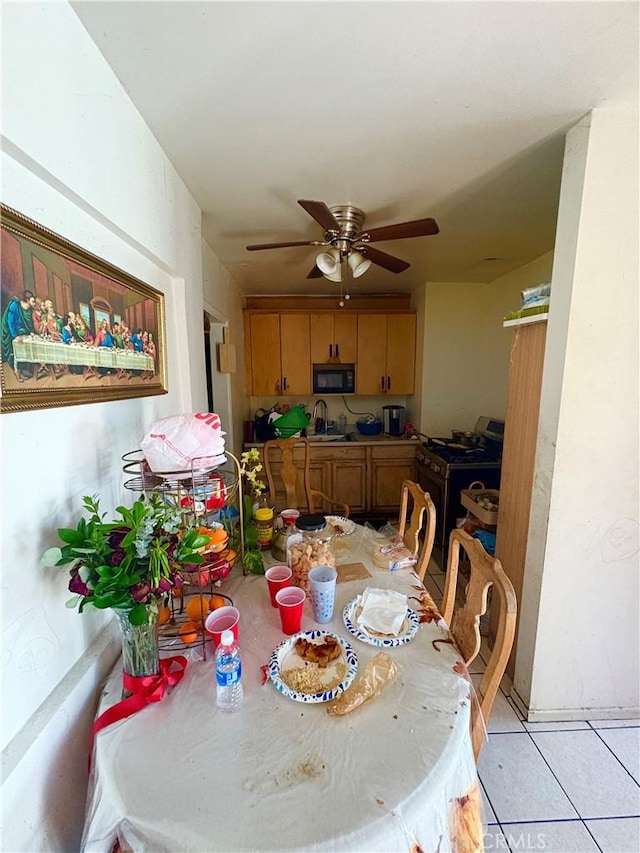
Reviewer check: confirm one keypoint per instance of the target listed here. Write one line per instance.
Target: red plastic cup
(289, 516)
(222, 619)
(290, 601)
(277, 577)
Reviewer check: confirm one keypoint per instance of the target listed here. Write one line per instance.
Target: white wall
(466, 350)
(579, 640)
(78, 159)
(222, 298)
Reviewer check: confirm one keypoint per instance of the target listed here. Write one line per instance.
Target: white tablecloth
(282, 775)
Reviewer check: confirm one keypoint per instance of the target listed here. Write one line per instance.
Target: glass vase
(140, 654)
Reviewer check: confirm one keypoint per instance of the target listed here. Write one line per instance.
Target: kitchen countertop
(343, 441)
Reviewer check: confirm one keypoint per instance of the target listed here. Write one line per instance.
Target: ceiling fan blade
(256, 246)
(315, 273)
(401, 230)
(321, 213)
(382, 259)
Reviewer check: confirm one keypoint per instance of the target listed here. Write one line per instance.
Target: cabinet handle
(330, 350)
(388, 383)
(284, 383)
(337, 352)
(382, 382)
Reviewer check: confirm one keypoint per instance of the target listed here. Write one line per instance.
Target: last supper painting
(74, 328)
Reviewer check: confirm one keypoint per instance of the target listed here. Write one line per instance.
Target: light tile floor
(556, 787)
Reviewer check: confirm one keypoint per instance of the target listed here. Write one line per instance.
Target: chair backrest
(289, 472)
(464, 622)
(423, 510)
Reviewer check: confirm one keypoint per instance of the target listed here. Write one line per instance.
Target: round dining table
(395, 774)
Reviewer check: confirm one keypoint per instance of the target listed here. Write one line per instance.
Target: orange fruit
(188, 632)
(164, 614)
(228, 555)
(196, 608)
(217, 601)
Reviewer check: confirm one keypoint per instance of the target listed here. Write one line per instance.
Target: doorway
(218, 384)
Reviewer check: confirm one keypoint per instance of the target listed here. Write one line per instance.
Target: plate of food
(406, 632)
(341, 526)
(313, 666)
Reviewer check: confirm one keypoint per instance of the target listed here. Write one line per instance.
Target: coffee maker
(393, 420)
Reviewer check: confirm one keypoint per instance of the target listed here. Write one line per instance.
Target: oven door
(435, 484)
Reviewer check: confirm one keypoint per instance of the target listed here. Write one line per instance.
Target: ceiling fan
(343, 231)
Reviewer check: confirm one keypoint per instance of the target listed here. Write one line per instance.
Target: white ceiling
(455, 110)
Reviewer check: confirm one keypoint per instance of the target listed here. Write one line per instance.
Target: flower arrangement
(128, 564)
(249, 468)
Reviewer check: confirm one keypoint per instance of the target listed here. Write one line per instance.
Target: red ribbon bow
(145, 689)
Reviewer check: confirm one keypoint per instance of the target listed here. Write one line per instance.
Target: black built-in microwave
(334, 378)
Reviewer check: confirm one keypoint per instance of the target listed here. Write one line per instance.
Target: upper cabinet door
(401, 353)
(334, 334)
(321, 338)
(345, 337)
(371, 369)
(265, 354)
(295, 350)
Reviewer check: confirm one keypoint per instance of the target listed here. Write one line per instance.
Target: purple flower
(115, 538)
(140, 592)
(117, 557)
(76, 584)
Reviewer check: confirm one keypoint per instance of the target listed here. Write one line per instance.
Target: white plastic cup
(322, 580)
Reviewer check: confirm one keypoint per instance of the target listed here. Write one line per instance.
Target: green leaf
(51, 557)
(251, 536)
(252, 562)
(73, 537)
(73, 602)
(138, 616)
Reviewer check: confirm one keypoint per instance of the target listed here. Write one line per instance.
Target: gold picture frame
(75, 329)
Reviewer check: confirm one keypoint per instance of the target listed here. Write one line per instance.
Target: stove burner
(453, 452)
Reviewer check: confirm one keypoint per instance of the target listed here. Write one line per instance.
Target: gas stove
(446, 466)
(453, 453)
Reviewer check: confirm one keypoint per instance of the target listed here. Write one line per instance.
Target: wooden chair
(423, 508)
(289, 474)
(464, 622)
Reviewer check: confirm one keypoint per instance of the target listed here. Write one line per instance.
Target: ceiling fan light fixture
(337, 275)
(329, 263)
(358, 264)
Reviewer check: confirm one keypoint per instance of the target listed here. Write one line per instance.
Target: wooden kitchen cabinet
(386, 354)
(295, 352)
(390, 466)
(368, 476)
(277, 354)
(349, 477)
(334, 335)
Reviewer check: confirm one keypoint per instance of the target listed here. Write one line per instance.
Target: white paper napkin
(382, 610)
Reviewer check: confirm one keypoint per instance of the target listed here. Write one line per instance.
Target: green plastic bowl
(296, 418)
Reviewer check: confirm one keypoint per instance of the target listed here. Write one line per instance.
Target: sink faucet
(320, 420)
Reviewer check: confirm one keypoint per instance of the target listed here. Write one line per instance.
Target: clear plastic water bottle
(228, 673)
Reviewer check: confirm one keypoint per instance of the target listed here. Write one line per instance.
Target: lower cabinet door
(349, 484)
(389, 468)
